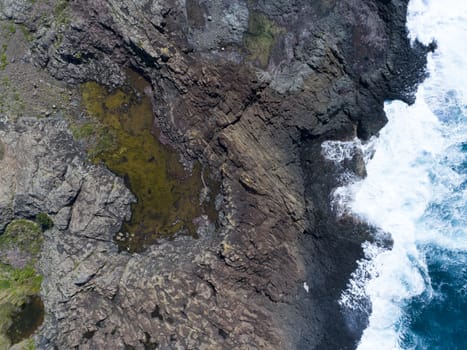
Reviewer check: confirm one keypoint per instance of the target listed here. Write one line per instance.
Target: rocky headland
(242, 94)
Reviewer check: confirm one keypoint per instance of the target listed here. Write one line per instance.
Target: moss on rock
(22, 235)
(261, 38)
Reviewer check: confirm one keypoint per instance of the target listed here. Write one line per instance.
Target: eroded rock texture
(249, 88)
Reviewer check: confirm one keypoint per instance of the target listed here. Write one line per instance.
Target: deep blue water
(437, 318)
(438, 321)
(416, 191)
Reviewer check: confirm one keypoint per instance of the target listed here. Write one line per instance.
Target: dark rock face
(251, 89)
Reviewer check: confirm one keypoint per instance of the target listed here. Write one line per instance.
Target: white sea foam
(338, 151)
(407, 173)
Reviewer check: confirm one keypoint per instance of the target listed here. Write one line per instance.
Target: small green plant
(8, 29)
(26, 33)
(12, 28)
(16, 96)
(30, 345)
(3, 60)
(44, 221)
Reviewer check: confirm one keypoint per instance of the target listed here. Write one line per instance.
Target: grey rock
(101, 205)
(62, 218)
(225, 25)
(13, 9)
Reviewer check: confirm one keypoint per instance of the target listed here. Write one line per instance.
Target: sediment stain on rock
(169, 196)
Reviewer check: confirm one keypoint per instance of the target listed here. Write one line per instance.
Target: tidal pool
(26, 320)
(168, 196)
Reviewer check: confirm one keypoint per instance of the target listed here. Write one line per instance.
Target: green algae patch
(21, 309)
(261, 38)
(168, 196)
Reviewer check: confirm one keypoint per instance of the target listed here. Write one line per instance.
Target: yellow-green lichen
(261, 38)
(168, 196)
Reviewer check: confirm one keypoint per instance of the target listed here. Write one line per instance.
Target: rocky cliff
(250, 89)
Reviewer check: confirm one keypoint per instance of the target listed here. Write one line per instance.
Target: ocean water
(416, 192)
